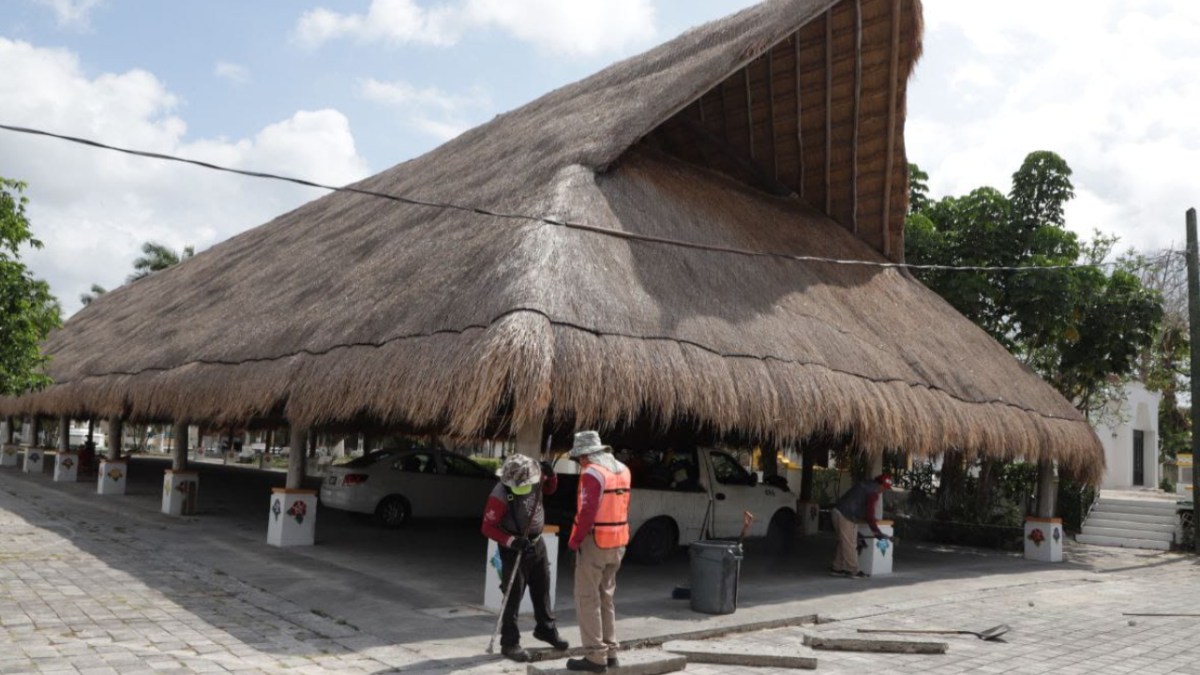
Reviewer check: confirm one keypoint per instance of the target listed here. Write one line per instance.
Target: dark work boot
(551, 637)
(614, 662)
(586, 666)
(515, 653)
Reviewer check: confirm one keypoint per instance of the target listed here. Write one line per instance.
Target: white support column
(292, 520)
(114, 470)
(875, 555)
(66, 464)
(181, 487)
(34, 456)
(1044, 533)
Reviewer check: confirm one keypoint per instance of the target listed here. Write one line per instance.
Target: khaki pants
(846, 559)
(595, 583)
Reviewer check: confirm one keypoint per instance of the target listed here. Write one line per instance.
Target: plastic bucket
(713, 573)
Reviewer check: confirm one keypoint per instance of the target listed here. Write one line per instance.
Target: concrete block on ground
(180, 489)
(9, 455)
(648, 662)
(1044, 539)
(114, 476)
(732, 654)
(292, 520)
(66, 467)
(33, 460)
(841, 644)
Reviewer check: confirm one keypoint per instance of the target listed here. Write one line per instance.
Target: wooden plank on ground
(729, 654)
(872, 645)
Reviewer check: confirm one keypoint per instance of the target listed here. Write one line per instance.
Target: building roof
(777, 130)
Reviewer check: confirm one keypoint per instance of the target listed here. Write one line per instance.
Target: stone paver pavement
(85, 591)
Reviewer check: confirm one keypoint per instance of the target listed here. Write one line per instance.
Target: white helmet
(519, 471)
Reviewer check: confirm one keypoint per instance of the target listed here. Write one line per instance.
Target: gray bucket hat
(587, 443)
(519, 471)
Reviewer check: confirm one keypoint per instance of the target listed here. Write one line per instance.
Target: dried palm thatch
(778, 129)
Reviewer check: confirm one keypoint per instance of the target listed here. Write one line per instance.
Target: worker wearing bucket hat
(598, 536)
(514, 519)
(857, 504)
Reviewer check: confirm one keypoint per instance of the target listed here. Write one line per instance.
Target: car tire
(393, 512)
(656, 539)
(781, 532)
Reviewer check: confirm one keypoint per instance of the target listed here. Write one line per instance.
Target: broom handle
(512, 576)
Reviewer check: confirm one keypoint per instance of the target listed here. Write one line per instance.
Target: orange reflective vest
(612, 518)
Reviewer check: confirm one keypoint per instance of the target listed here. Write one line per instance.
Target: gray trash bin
(714, 570)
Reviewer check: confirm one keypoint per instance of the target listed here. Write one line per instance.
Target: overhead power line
(538, 219)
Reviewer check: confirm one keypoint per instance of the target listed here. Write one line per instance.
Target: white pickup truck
(683, 496)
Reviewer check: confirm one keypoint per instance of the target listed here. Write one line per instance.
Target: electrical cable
(547, 221)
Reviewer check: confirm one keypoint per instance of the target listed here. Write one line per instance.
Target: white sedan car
(397, 485)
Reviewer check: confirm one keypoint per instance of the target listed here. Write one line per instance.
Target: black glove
(547, 469)
(880, 535)
(521, 544)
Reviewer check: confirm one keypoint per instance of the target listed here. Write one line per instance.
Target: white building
(1129, 434)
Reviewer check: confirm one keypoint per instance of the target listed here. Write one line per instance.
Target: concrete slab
(876, 646)
(733, 654)
(643, 662)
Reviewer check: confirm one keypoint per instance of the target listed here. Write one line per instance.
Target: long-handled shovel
(989, 634)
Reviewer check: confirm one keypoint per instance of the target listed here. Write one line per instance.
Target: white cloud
(94, 208)
(235, 73)
(430, 110)
(71, 12)
(579, 27)
(1111, 85)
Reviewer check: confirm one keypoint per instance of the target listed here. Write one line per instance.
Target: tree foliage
(156, 257)
(28, 311)
(1164, 366)
(96, 291)
(1080, 328)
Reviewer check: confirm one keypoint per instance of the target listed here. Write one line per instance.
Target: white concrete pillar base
(34, 459)
(8, 455)
(1044, 539)
(66, 467)
(114, 476)
(492, 595)
(180, 491)
(875, 555)
(808, 515)
(292, 520)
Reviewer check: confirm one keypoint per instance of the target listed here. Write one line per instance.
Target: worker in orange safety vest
(598, 537)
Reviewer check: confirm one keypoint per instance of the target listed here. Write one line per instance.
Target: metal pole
(1193, 273)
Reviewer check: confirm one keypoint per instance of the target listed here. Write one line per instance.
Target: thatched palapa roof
(777, 130)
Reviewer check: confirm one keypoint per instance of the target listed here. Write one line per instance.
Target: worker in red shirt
(858, 504)
(514, 519)
(598, 537)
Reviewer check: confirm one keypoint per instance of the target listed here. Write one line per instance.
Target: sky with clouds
(335, 91)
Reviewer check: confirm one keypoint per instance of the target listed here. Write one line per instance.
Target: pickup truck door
(734, 490)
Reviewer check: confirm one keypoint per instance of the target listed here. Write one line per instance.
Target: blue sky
(336, 90)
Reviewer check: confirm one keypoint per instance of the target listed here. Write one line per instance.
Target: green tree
(918, 189)
(1080, 328)
(28, 311)
(96, 291)
(156, 257)
(1164, 366)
